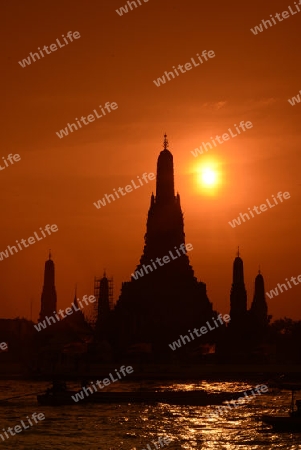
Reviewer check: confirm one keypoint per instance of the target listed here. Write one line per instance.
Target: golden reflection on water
(210, 386)
(238, 428)
(133, 426)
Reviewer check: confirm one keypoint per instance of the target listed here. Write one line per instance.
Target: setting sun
(208, 177)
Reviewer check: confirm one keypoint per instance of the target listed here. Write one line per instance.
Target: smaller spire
(104, 273)
(165, 143)
(75, 296)
(152, 199)
(259, 271)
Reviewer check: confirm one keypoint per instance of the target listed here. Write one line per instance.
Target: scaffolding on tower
(103, 292)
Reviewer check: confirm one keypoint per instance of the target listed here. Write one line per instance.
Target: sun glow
(208, 176)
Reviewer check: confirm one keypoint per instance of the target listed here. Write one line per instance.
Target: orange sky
(116, 59)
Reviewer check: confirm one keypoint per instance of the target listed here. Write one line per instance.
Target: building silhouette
(247, 331)
(238, 297)
(48, 297)
(167, 299)
(258, 313)
(103, 291)
(77, 318)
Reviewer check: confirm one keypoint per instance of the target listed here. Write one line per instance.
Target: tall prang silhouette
(247, 328)
(259, 318)
(103, 291)
(48, 297)
(238, 296)
(167, 299)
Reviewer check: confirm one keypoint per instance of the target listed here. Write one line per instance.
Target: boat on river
(60, 395)
(292, 421)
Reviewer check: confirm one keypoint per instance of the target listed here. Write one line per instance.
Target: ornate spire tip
(165, 142)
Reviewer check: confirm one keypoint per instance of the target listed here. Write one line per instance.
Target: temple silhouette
(248, 329)
(167, 300)
(48, 298)
(159, 304)
(259, 308)
(238, 297)
(241, 317)
(103, 291)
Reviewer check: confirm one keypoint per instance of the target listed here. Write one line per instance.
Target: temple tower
(48, 297)
(104, 294)
(165, 224)
(78, 315)
(259, 307)
(238, 296)
(166, 299)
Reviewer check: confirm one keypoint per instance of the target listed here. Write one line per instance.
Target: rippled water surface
(131, 426)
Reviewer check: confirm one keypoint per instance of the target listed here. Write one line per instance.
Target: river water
(132, 426)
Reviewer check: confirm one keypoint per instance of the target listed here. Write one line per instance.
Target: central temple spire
(162, 299)
(165, 191)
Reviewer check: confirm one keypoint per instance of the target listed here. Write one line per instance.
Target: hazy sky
(116, 59)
